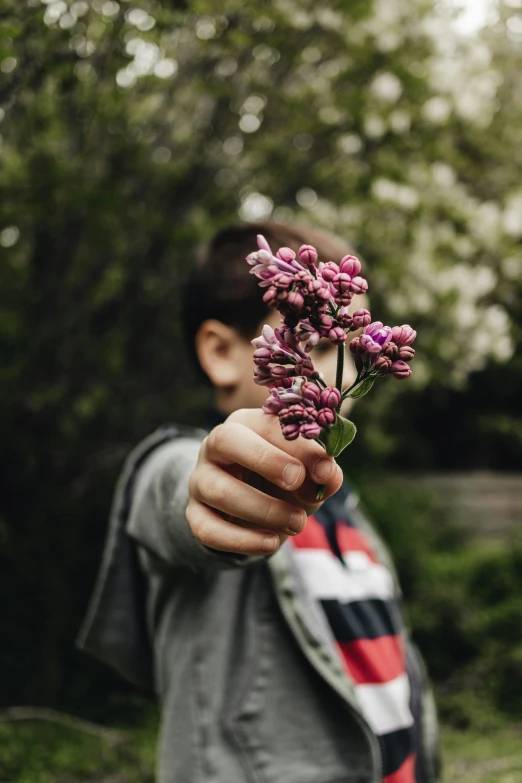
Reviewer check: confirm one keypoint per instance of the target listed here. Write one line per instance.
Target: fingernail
(270, 544)
(297, 523)
(291, 474)
(322, 469)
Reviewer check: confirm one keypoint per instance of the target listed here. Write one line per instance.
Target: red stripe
(374, 660)
(405, 773)
(312, 537)
(352, 540)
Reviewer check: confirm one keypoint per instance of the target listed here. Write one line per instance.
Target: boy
(278, 649)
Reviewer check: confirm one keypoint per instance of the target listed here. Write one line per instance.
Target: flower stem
(340, 367)
(339, 384)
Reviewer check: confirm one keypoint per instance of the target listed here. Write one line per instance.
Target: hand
(251, 488)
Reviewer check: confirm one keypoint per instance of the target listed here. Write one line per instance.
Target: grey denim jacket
(239, 655)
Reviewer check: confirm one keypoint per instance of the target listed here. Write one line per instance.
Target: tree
(131, 131)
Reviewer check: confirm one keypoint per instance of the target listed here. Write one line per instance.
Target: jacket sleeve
(157, 519)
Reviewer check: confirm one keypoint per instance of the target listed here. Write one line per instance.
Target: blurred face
(324, 357)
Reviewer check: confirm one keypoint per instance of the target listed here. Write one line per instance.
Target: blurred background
(130, 131)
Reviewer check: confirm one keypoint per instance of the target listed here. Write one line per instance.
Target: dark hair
(219, 284)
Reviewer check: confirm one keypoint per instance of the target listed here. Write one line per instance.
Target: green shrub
(463, 601)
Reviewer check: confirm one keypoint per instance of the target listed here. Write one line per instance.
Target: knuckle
(193, 484)
(204, 530)
(192, 518)
(267, 512)
(263, 461)
(253, 418)
(199, 524)
(241, 545)
(204, 446)
(215, 440)
(240, 416)
(220, 492)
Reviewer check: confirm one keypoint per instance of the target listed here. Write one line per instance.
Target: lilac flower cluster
(314, 300)
(381, 350)
(303, 408)
(282, 347)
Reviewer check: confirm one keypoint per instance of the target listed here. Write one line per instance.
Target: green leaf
(363, 389)
(338, 437)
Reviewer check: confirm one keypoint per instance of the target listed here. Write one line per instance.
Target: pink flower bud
(290, 431)
(323, 324)
(344, 319)
(361, 318)
(310, 414)
(383, 365)
(359, 285)
(279, 372)
(356, 347)
(337, 335)
(344, 298)
(311, 430)
(330, 397)
(326, 417)
(310, 391)
(391, 350)
(262, 243)
(406, 352)
(273, 405)
(292, 413)
(329, 271)
(295, 301)
(303, 277)
(308, 255)
(343, 282)
(262, 357)
(270, 296)
(400, 370)
(281, 357)
(379, 333)
(263, 376)
(350, 265)
(403, 335)
(305, 367)
(285, 254)
(369, 345)
(319, 289)
(282, 281)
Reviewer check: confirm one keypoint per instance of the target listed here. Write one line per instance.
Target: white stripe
(327, 578)
(357, 561)
(386, 706)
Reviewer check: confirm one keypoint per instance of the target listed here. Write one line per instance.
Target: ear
(216, 347)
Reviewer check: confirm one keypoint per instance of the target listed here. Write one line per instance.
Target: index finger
(232, 443)
(320, 468)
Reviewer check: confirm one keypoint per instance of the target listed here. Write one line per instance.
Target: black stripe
(396, 746)
(362, 619)
(332, 513)
(335, 507)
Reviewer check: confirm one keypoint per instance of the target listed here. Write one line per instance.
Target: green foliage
(464, 604)
(132, 131)
(363, 389)
(40, 751)
(338, 437)
(480, 757)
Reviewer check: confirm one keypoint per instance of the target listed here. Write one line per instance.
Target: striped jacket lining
(357, 595)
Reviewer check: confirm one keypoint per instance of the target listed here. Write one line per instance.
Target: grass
(42, 752)
(477, 757)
